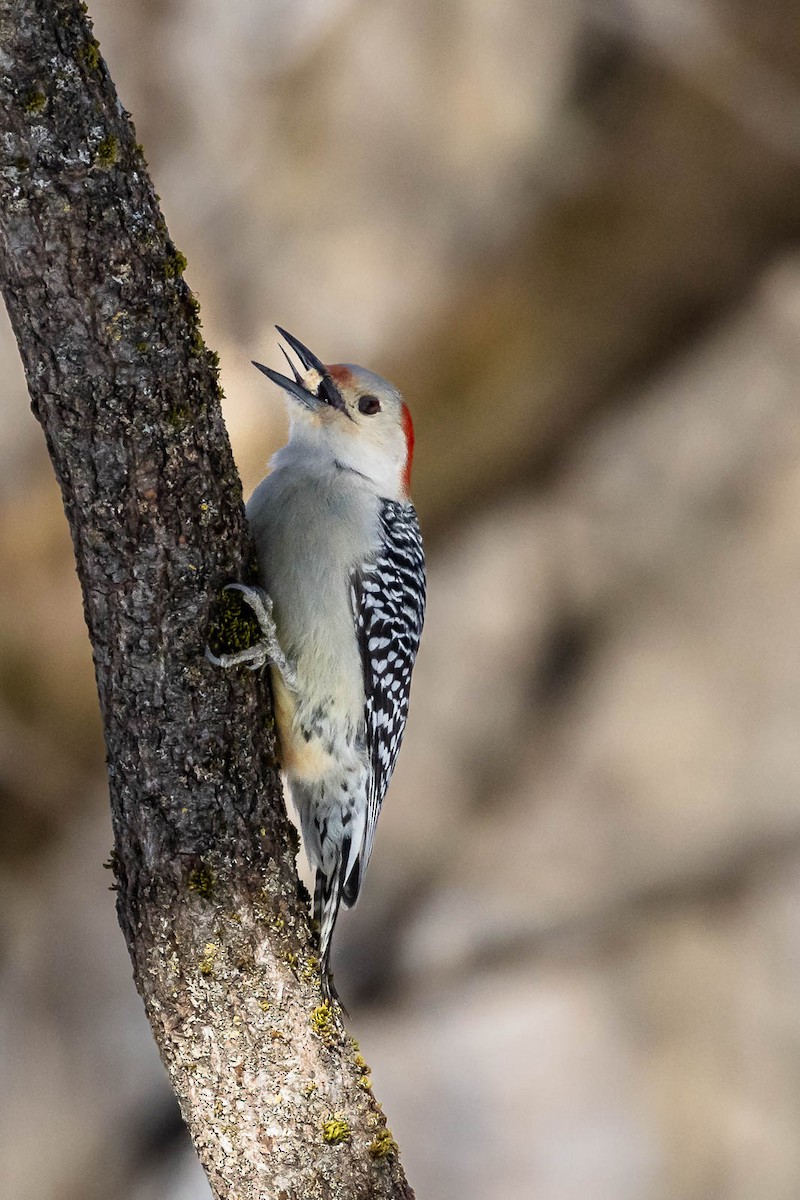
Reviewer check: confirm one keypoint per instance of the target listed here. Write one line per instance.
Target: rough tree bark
(274, 1093)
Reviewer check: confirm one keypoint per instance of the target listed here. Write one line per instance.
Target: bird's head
(351, 415)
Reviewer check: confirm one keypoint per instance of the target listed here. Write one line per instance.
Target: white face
(367, 434)
(348, 417)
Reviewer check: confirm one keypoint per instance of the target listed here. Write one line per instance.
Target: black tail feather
(328, 893)
(352, 885)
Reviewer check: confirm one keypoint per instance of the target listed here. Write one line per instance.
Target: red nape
(340, 374)
(408, 430)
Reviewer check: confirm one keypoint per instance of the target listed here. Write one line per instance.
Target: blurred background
(568, 231)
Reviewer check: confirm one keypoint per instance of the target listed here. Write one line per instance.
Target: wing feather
(388, 598)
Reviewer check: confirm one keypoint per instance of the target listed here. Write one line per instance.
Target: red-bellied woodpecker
(341, 562)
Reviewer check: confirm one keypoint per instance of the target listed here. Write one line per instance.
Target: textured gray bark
(274, 1093)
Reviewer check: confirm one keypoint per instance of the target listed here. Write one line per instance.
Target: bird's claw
(267, 650)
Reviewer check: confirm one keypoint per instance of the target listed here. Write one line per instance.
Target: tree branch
(276, 1098)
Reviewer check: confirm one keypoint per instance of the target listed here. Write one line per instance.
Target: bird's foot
(267, 649)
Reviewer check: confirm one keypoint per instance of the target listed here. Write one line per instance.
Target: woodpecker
(340, 608)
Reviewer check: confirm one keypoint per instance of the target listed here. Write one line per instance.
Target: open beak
(319, 388)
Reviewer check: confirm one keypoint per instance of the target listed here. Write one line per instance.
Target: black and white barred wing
(388, 597)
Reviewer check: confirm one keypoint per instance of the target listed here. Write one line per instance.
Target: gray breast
(310, 531)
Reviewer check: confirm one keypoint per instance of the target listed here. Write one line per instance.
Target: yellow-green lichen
(196, 343)
(234, 627)
(362, 1064)
(262, 905)
(201, 881)
(179, 416)
(107, 152)
(89, 54)
(365, 1083)
(174, 264)
(208, 957)
(116, 325)
(264, 1005)
(309, 1089)
(290, 957)
(322, 1022)
(34, 102)
(141, 347)
(382, 1145)
(310, 971)
(335, 1130)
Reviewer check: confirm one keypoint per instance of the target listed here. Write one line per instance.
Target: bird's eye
(369, 405)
